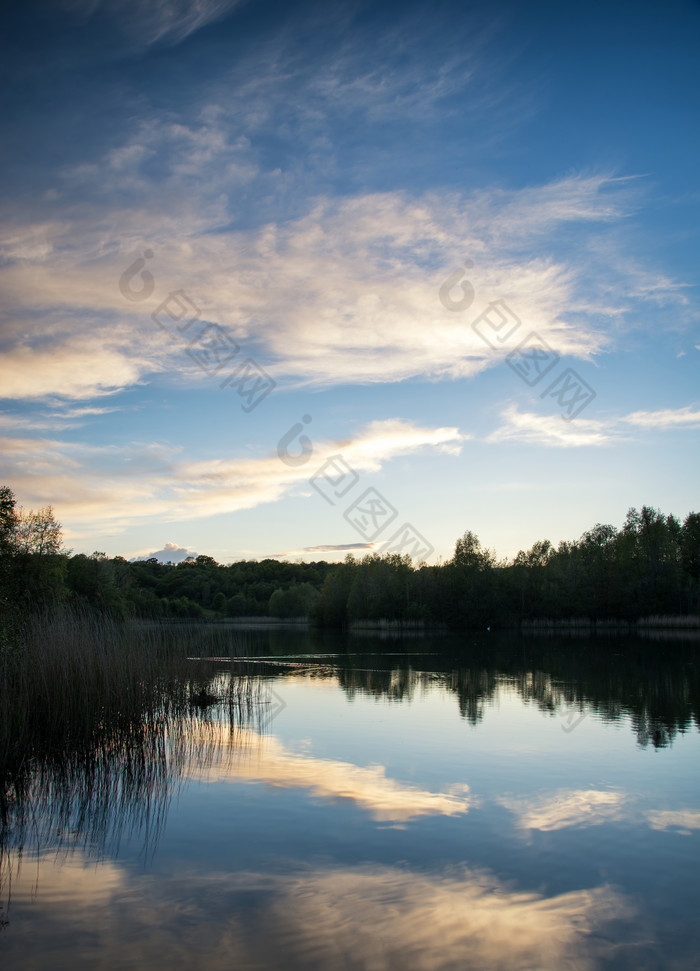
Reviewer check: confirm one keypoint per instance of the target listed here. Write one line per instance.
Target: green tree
(8, 520)
(654, 542)
(9, 616)
(690, 545)
(236, 606)
(38, 567)
(37, 532)
(298, 600)
(100, 583)
(470, 554)
(332, 606)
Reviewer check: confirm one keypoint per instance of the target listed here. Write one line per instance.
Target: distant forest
(649, 566)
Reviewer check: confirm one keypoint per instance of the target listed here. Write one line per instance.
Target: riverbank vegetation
(649, 566)
(82, 693)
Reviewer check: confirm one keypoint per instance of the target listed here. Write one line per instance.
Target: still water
(424, 803)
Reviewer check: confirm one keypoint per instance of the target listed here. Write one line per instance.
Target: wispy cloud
(147, 22)
(540, 428)
(346, 293)
(338, 551)
(82, 412)
(549, 429)
(339, 548)
(221, 485)
(666, 418)
(110, 487)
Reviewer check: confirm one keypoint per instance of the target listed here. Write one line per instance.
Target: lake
(489, 801)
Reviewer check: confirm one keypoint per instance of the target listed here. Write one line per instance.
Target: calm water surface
(386, 804)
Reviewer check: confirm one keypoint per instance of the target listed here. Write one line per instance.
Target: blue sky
(304, 180)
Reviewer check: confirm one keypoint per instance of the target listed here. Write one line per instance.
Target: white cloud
(110, 487)
(171, 553)
(347, 293)
(666, 418)
(551, 430)
(220, 485)
(77, 367)
(82, 412)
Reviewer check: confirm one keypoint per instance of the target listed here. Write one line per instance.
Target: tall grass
(82, 695)
(68, 677)
(100, 721)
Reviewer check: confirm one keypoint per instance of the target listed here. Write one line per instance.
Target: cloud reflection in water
(370, 917)
(386, 799)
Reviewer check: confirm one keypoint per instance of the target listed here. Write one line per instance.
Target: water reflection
(123, 782)
(653, 678)
(565, 808)
(683, 820)
(317, 918)
(287, 858)
(367, 787)
(657, 688)
(120, 784)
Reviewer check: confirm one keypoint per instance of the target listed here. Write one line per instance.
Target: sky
(295, 280)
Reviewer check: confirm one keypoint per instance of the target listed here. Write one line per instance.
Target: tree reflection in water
(654, 683)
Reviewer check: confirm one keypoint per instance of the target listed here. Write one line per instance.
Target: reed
(77, 687)
(101, 721)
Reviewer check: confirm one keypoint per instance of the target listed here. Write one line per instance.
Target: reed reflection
(101, 724)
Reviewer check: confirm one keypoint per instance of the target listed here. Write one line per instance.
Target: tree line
(649, 566)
